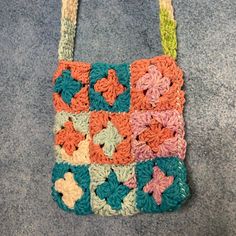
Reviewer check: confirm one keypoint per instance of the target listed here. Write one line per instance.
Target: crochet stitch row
(145, 122)
(153, 186)
(156, 85)
(68, 29)
(106, 138)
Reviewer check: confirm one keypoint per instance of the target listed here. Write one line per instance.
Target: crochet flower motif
(158, 184)
(68, 138)
(67, 86)
(69, 188)
(108, 138)
(153, 84)
(155, 135)
(112, 191)
(109, 87)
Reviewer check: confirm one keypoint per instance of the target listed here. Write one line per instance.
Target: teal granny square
(171, 196)
(82, 178)
(109, 87)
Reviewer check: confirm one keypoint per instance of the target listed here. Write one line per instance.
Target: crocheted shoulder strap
(68, 29)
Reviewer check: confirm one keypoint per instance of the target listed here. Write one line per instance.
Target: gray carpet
(116, 31)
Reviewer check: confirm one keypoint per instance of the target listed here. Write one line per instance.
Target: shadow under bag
(119, 128)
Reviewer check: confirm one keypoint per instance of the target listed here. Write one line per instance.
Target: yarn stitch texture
(119, 129)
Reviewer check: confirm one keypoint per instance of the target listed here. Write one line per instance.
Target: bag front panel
(119, 137)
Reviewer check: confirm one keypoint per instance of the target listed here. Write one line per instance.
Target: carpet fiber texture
(116, 31)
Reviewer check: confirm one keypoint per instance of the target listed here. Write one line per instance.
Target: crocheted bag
(119, 129)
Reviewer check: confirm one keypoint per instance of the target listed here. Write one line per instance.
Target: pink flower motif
(154, 84)
(158, 184)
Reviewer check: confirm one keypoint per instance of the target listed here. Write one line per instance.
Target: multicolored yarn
(68, 29)
(170, 184)
(168, 28)
(79, 71)
(119, 129)
(109, 87)
(166, 94)
(67, 86)
(109, 193)
(157, 134)
(71, 188)
(111, 138)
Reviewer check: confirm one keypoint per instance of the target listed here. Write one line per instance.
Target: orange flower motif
(155, 135)
(68, 138)
(110, 87)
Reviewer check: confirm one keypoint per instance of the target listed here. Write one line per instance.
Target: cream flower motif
(80, 156)
(69, 188)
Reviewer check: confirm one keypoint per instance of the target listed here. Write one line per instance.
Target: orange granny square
(110, 138)
(71, 78)
(156, 85)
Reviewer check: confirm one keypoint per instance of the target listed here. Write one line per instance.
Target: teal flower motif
(112, 191)
(67, 86)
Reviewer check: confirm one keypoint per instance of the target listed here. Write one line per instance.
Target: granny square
(157, 134)
(110, 138)
(113, 189)
(71, 82)
(109, 87)
(71, 188)
(72, 137)
(161, 185)
(156, 85)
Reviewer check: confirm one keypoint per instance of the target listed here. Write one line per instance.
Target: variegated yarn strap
(68, 29)
(168, 28)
